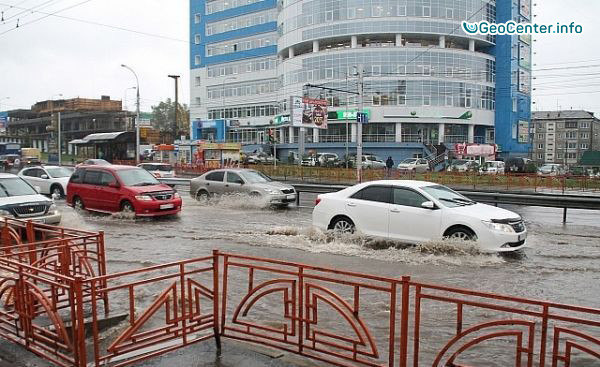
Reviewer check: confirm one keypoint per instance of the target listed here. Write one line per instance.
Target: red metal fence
(334, 316)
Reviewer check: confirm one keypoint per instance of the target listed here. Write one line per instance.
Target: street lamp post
(58, 125)
(137, 117)
(175, 130)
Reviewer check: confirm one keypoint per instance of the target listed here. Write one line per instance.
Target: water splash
(235, 201)
(444, 252)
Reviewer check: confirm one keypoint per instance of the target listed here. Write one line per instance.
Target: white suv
(20, 200)
(51, 180)
(418, 212)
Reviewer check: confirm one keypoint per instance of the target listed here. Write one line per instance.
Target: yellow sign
(220, 146)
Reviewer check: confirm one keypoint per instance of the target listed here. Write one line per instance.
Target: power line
(46, 16)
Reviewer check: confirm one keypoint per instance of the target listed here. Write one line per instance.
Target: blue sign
(3, 121)
(362, 117)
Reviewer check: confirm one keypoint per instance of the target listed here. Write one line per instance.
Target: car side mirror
(45, 177)
(240, 182)
(428, 205)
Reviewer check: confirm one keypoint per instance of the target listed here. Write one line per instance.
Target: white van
(492, 168)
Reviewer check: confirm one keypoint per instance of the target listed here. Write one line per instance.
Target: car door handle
(395, 210)
(351, 204)
(207, 184)
(226, 185)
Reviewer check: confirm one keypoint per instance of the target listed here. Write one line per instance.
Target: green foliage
(164, 113)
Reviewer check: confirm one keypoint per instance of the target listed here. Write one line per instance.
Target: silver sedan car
(241, 181)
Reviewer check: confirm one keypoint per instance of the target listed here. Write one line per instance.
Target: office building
(427, 84)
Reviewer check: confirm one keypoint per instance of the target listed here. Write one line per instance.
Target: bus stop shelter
(108, 146)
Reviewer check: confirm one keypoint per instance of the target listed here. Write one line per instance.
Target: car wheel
(343, 225)
(202, 197)
(57, 191)
(127, 207)
(461, 233)
(78, 203)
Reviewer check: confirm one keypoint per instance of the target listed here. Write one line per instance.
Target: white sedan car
(417, 165)
(418, 212)
(51, 180)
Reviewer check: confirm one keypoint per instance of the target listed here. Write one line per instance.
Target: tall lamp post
(175, 130)
(58, 125)
(137, 117)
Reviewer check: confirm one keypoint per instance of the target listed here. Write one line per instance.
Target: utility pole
(137, 118)
(59, 142)
(175, 130)
(359, 124)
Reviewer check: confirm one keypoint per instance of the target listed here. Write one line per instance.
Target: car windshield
(137, 177)
(255, 177)
(547, 168)
(160, 167)
(59, 172)
(449, 197)
(410, 160)
(15, 187)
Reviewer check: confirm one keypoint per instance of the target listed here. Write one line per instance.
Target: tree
(164, 113)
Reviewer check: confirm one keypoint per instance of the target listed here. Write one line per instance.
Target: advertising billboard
(308, 112)
(523, 131)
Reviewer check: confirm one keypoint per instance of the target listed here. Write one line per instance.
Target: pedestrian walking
(389, 163)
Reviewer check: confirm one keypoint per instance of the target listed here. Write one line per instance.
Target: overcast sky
(57, 55)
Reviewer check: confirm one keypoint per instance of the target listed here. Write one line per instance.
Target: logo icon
(470, 28)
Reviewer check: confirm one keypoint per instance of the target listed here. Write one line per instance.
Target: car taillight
(317, 201)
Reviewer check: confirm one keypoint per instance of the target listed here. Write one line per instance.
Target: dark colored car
(9, 161)
(114, 188)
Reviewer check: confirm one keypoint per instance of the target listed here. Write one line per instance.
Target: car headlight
(177, 196)
(53, 209)
(273, 192)
(143, 197)
(5, 213)
(500, 227)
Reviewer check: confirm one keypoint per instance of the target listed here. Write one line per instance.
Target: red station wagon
(115, 188)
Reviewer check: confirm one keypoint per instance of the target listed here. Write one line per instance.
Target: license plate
(290, 197)
(167, 206)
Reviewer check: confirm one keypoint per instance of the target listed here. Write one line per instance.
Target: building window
(449, 101)
(427, 11)
(571, 155)
(426, 100)
(426, 70)
(540, 136)
(197, 18)
(540, 156)
(197, 60)
(329, 15)
(198, 81)
(401, 69)
(571, 145)
(449, 13)
(197, 39)
(584, 135)
(376, 100)
(402, 10)
(402, 100)
(571, 134)
(329, 73)
(376, 70)
(351, 13)
(377, 11)
(584, 125)
(540, 146)
(571, 125)
(584, 146)
(198, 102)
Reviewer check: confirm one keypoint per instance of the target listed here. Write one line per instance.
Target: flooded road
(562, 263)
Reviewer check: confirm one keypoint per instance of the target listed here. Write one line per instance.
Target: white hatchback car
(52, 180)
(418, 212)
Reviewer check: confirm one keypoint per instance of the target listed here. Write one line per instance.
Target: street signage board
(362, 118)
